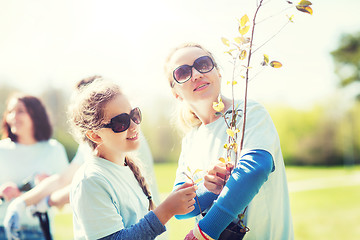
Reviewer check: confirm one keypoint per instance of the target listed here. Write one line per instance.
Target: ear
(93, 136)
(177, 96)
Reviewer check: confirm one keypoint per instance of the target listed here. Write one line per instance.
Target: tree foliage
(347, 59)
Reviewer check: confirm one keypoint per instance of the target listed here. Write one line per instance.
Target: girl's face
(201, 86)
(19, 119)
(115, 144)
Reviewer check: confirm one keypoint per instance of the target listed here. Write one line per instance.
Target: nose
(195, 74)
(133, 125)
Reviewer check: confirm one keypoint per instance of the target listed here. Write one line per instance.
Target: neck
(205, 112)
(116, 158)
(26, 140)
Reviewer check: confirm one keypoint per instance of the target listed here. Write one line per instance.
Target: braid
(141, 180)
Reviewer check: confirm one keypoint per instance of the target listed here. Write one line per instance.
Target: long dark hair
(37, 113)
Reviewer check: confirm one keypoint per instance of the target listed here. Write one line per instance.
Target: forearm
(244, 183)
(50, 185)
(147, 228)
(60, 197)
(43, 189)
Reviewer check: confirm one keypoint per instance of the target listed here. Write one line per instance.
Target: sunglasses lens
(120, 123)
(182, 73)
(135, 115)
(204, 64)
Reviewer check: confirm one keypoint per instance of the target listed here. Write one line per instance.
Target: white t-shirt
(268, 214)
(20, 163)
(105, 198)
(143, 154)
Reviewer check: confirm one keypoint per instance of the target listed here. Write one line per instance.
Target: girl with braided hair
(109, 195)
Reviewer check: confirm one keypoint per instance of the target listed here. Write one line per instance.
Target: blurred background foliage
(324, 134)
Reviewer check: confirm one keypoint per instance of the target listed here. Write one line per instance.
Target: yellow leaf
(222, 160)
(218, 106)
(305, 9)
(243, 55)
(235, 147)
(240, 40)
(228, 82)
(244, 20)
(291, 18)
(196, 171)
(234, 82)
(225, 41)
(266, 59)
(244, 30)
(230, 132)
(198, 180)
(188, 168)
(228, 159)
(304, 3)
(276, 64)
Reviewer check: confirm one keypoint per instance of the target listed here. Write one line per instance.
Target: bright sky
(56, 43)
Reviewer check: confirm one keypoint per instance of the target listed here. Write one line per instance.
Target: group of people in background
(110, 184)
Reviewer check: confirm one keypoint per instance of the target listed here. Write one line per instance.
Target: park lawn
(329, 213)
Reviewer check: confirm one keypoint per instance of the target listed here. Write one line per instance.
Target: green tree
(347, 59)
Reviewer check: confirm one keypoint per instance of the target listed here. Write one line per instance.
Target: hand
(216, 177)
(197, 234)
(9, 191)
(180, 201)
(12, 219)
(41, 206)
(39, 177)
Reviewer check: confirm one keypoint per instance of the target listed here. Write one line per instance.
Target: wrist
(199, 234)
(18, 205)
(163, 213)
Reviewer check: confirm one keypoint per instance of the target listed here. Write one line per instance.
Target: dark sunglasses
(121, 122)
(183, 73)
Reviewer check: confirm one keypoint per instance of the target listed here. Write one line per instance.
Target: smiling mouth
(135, 137)
(201, 87)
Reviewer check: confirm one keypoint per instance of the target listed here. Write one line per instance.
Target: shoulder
(7, 143)
(53, 144)
(89, 176)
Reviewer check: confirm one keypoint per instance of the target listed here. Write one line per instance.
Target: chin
(133, 146)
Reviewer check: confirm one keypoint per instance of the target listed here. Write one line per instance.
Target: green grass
(328, 213)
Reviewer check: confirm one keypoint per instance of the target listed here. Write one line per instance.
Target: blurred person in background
(27, 156)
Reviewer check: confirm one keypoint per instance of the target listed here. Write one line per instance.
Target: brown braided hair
(86, 112)
(141, 180)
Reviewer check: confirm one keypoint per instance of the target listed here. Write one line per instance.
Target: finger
(214, 179)
(184, 185)
(222, 169)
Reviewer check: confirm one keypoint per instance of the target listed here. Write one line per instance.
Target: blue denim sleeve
(148, 228)
(244, 183)
(205, 198)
